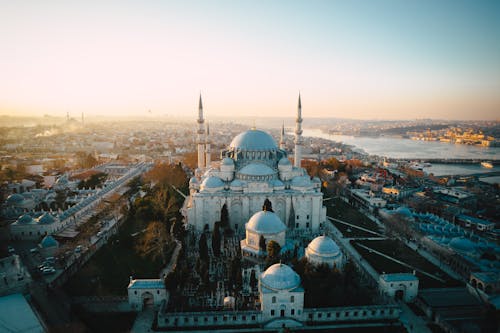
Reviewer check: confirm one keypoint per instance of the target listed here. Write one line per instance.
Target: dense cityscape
(85, 189)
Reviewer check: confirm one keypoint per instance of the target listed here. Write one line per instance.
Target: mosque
(253, 168)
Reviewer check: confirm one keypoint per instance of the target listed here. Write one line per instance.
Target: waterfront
(410, 149)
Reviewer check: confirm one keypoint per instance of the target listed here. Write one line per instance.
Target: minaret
(201, 136)
(82, 120)
(207, 148)
(282, 137)
(298, 136)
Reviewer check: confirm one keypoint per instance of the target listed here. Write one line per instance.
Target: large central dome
(253, 140)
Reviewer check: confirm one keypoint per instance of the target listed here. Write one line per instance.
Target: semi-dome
(253, 140)
(256, 169)
(462, 244)
(25, 219)
(323, 246)
(46, 218)
(212, 182)
(280, 277)
(265, 223)
(48, 241)
(301, 181)
(15, 198)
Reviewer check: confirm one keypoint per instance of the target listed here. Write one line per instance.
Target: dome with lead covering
(256, 169)
(212, 183)
(253, 140)
(280, 277)
(265, 223)
(15, 198)
(46, 218)
(323, 246)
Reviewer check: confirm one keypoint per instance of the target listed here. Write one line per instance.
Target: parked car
(48, 271)
(11, 249)
(78, 249)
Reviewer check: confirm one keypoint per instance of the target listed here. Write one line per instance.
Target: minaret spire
(298, 135)
(282, 137)
(207, 148)
(201, 136)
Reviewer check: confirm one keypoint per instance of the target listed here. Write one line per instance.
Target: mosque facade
(253, 168)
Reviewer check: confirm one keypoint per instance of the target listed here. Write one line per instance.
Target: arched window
(273, 299)
(292, 299)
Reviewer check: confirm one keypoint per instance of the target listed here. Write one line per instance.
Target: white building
(253, 169)
(146, 292)
(323, 250)
(281, 294)
(399, 285)
(262, 224)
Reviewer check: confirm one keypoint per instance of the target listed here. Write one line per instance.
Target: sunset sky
(350, 59)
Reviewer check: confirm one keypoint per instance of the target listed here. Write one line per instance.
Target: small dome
(323, 246)
(462, 244)
(49, 241)
(256, 169)
(253, 140)
(280, 277)
(15, 198)
(25, 219)
(227, 161)
(301, 181)
(212, 182)
(284, 161)
(278, 183)
(193, 180)
(265, 223)
(46, 218)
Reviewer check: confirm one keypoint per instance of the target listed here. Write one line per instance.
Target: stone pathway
(411, 321)
(144, 321)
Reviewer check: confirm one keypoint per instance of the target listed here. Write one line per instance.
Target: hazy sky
(351, 59)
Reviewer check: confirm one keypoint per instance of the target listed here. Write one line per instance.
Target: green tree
(268, 206)
(273, 249)
(203, 247)
(216, 239)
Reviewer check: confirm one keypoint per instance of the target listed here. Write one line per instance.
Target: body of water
(412, 149)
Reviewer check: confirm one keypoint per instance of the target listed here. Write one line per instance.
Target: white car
(48, 270)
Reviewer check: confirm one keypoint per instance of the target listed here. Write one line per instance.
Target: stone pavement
(144, 321)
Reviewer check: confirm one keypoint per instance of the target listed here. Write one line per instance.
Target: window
(328, 315)
(272, 312)
(307, 217)
(274, 299)
(157, 292)
(296, 225)
(337, 314)
(244, 317)
(347, 314)
(135, 292)
(234, 318)
(253, 317)
(292, 312)
(310, 316)
(297, 217)
(292, 299)
(307, 225)
(320, 315)
(215, 318)
(355, 313)
(205, 319)
(236, 226)
(186, 319)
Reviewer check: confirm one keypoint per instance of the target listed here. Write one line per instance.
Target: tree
(253, 279)
(262, 243)
(273, 249)
(268, 206)
(224, 217)
(203, 247)
(216, 241)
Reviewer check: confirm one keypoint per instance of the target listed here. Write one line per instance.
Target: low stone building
(402, 286)
(146, 292)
